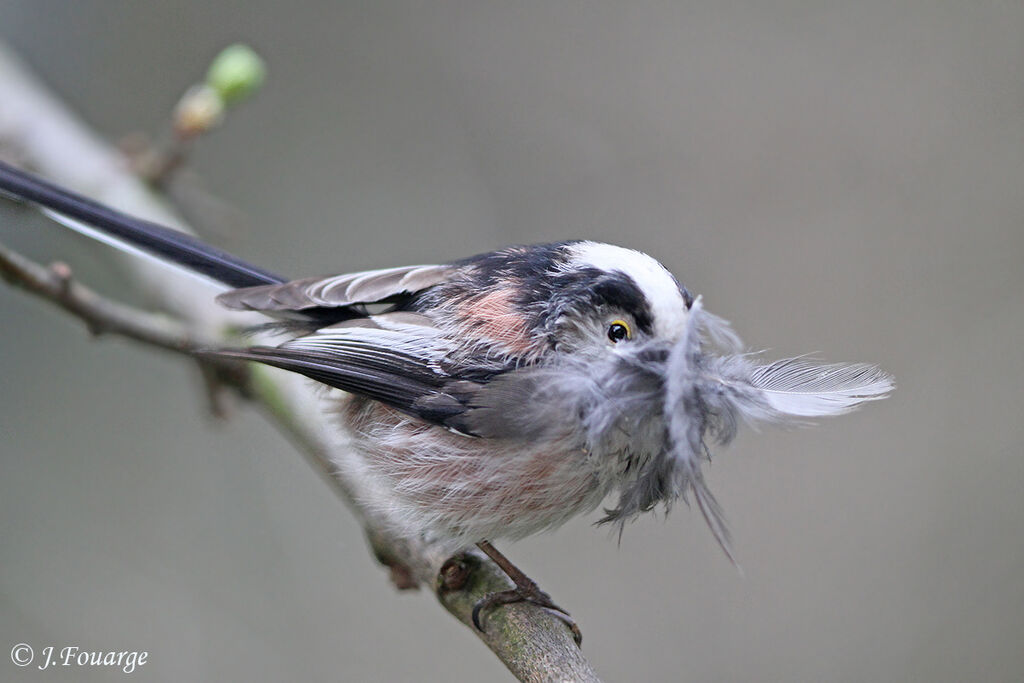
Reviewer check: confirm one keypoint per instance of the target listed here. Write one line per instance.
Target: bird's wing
(338, 291)
(395, 358)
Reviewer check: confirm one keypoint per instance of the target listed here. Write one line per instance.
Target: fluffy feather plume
(706, 396)
(689, 415)
(800, 387)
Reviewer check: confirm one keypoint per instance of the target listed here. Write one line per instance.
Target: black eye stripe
(617, 290)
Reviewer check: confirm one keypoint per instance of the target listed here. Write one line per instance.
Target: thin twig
(101, 315)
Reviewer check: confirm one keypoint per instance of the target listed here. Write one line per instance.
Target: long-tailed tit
(503, 394)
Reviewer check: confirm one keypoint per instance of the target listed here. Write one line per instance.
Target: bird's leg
(526, 590)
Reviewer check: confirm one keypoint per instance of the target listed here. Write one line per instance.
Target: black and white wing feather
(338, 291)
(395, 358)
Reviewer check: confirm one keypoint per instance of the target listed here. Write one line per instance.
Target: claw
(526, 590)
(476, 614)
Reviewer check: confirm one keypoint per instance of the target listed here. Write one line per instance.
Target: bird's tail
(132, 234)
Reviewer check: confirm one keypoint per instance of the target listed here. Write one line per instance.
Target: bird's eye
(619, 330)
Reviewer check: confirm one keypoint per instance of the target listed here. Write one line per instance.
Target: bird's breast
(468, 487)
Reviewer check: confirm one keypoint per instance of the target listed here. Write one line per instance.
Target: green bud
(236, 73)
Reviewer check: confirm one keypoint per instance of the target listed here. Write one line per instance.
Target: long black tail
(154, 239)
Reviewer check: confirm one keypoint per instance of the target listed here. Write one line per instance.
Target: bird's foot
(526, 590)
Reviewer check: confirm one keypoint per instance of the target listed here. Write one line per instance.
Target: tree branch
(533, 644)
(101, 315)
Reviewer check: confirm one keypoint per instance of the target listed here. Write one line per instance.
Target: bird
(500, 395)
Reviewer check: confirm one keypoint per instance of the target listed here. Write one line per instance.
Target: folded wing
(338, 291)
(395, 358)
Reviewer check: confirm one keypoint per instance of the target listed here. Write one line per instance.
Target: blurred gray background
(834, 177)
